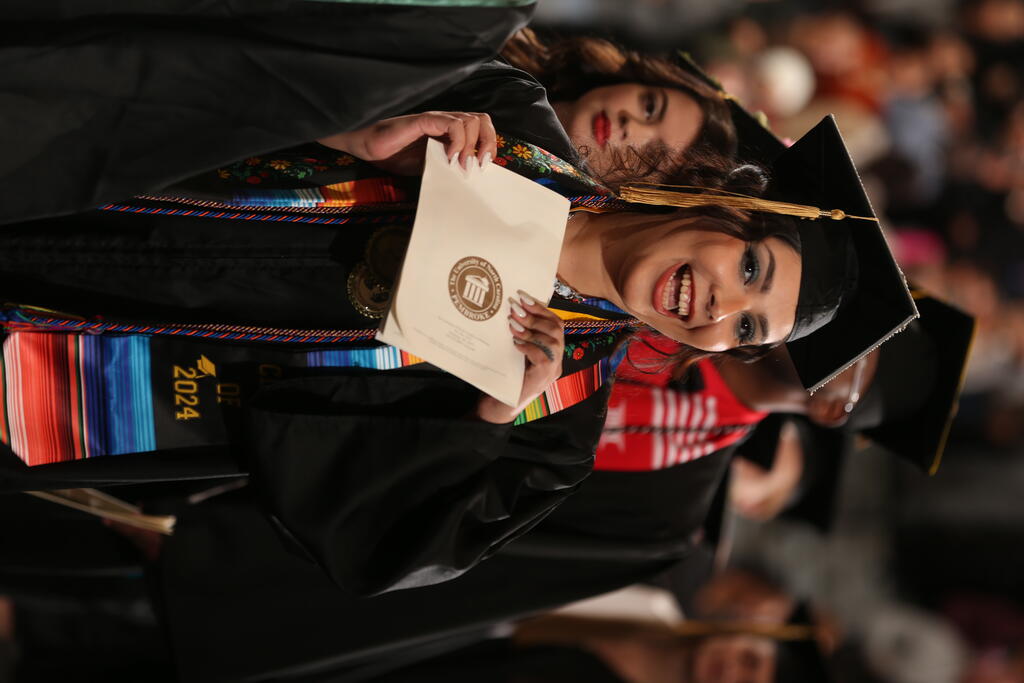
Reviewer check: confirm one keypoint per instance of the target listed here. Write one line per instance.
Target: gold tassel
(108, 507)
(670, 195)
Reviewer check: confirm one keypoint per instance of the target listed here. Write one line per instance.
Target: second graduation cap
(910, 405)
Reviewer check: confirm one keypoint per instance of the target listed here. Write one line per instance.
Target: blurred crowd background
(922, 577)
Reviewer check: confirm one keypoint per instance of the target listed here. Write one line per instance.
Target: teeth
(685, 285)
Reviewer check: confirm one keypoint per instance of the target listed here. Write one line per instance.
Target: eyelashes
(745, 329)
(750, 271)
(750, 266)
(652, 103)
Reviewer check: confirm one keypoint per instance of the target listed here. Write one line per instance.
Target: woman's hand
(538, 334)
(397, 144)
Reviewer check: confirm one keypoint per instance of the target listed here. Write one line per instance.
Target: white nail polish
(526, 298)
(516, 325)
(486, 159)
(516, 308)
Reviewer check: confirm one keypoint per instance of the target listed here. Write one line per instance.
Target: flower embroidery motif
(500, 139)
(254, 170)
(522, 151)
(577, 353)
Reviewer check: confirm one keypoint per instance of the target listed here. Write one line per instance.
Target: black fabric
(388, 494)
(176, 269)
(516, 102)
(100, 101)
(243, 606)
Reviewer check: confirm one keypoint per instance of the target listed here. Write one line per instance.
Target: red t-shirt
(654, 422)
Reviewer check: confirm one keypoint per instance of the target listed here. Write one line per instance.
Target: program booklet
(479, 237)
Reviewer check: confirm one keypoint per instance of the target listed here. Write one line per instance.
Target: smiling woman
(632, 116)
(710, 282)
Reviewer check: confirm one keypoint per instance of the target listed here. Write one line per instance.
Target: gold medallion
(368, 295)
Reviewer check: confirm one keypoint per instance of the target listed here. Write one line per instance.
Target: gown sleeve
(388, 484)
(100, 104)
(516, 102)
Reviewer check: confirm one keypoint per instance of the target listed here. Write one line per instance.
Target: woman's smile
(673, 294)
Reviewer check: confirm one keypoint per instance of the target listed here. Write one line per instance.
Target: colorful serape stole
(69, 396)
(351, 193)
(321, 183)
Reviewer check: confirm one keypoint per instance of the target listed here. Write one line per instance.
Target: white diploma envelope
(479, 236)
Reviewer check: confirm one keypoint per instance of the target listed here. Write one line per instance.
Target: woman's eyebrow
(762, 323)
(769, 274)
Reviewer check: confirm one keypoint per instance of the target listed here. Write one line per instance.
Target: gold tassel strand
(671, 195)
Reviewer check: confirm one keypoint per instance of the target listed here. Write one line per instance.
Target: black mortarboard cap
(755, 142)
(817, 171)
(853, 296)
(910, 405)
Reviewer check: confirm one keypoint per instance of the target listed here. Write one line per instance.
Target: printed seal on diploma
(478, 234)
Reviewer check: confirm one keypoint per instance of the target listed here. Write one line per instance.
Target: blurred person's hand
(760, 494)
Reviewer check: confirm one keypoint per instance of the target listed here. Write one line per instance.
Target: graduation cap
(907, 409)
(910, 405)
(755, 142)
(853, 296)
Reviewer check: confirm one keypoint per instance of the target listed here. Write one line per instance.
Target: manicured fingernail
(515, 325)
(452, 159)
(516, 308)
(517, 342)
(526, 298)
(485, 159)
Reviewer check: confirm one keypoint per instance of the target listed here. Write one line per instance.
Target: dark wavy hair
(570, 67)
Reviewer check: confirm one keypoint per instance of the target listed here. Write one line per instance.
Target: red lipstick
(602, 127)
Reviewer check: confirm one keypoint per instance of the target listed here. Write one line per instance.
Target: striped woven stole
(69, 396)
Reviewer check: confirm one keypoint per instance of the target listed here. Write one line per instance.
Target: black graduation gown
(394, 520)
(99, 101)
(239, 606)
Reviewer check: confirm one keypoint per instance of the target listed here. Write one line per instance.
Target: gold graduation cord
(673, 195)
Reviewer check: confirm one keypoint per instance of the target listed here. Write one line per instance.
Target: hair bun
(747, 179)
